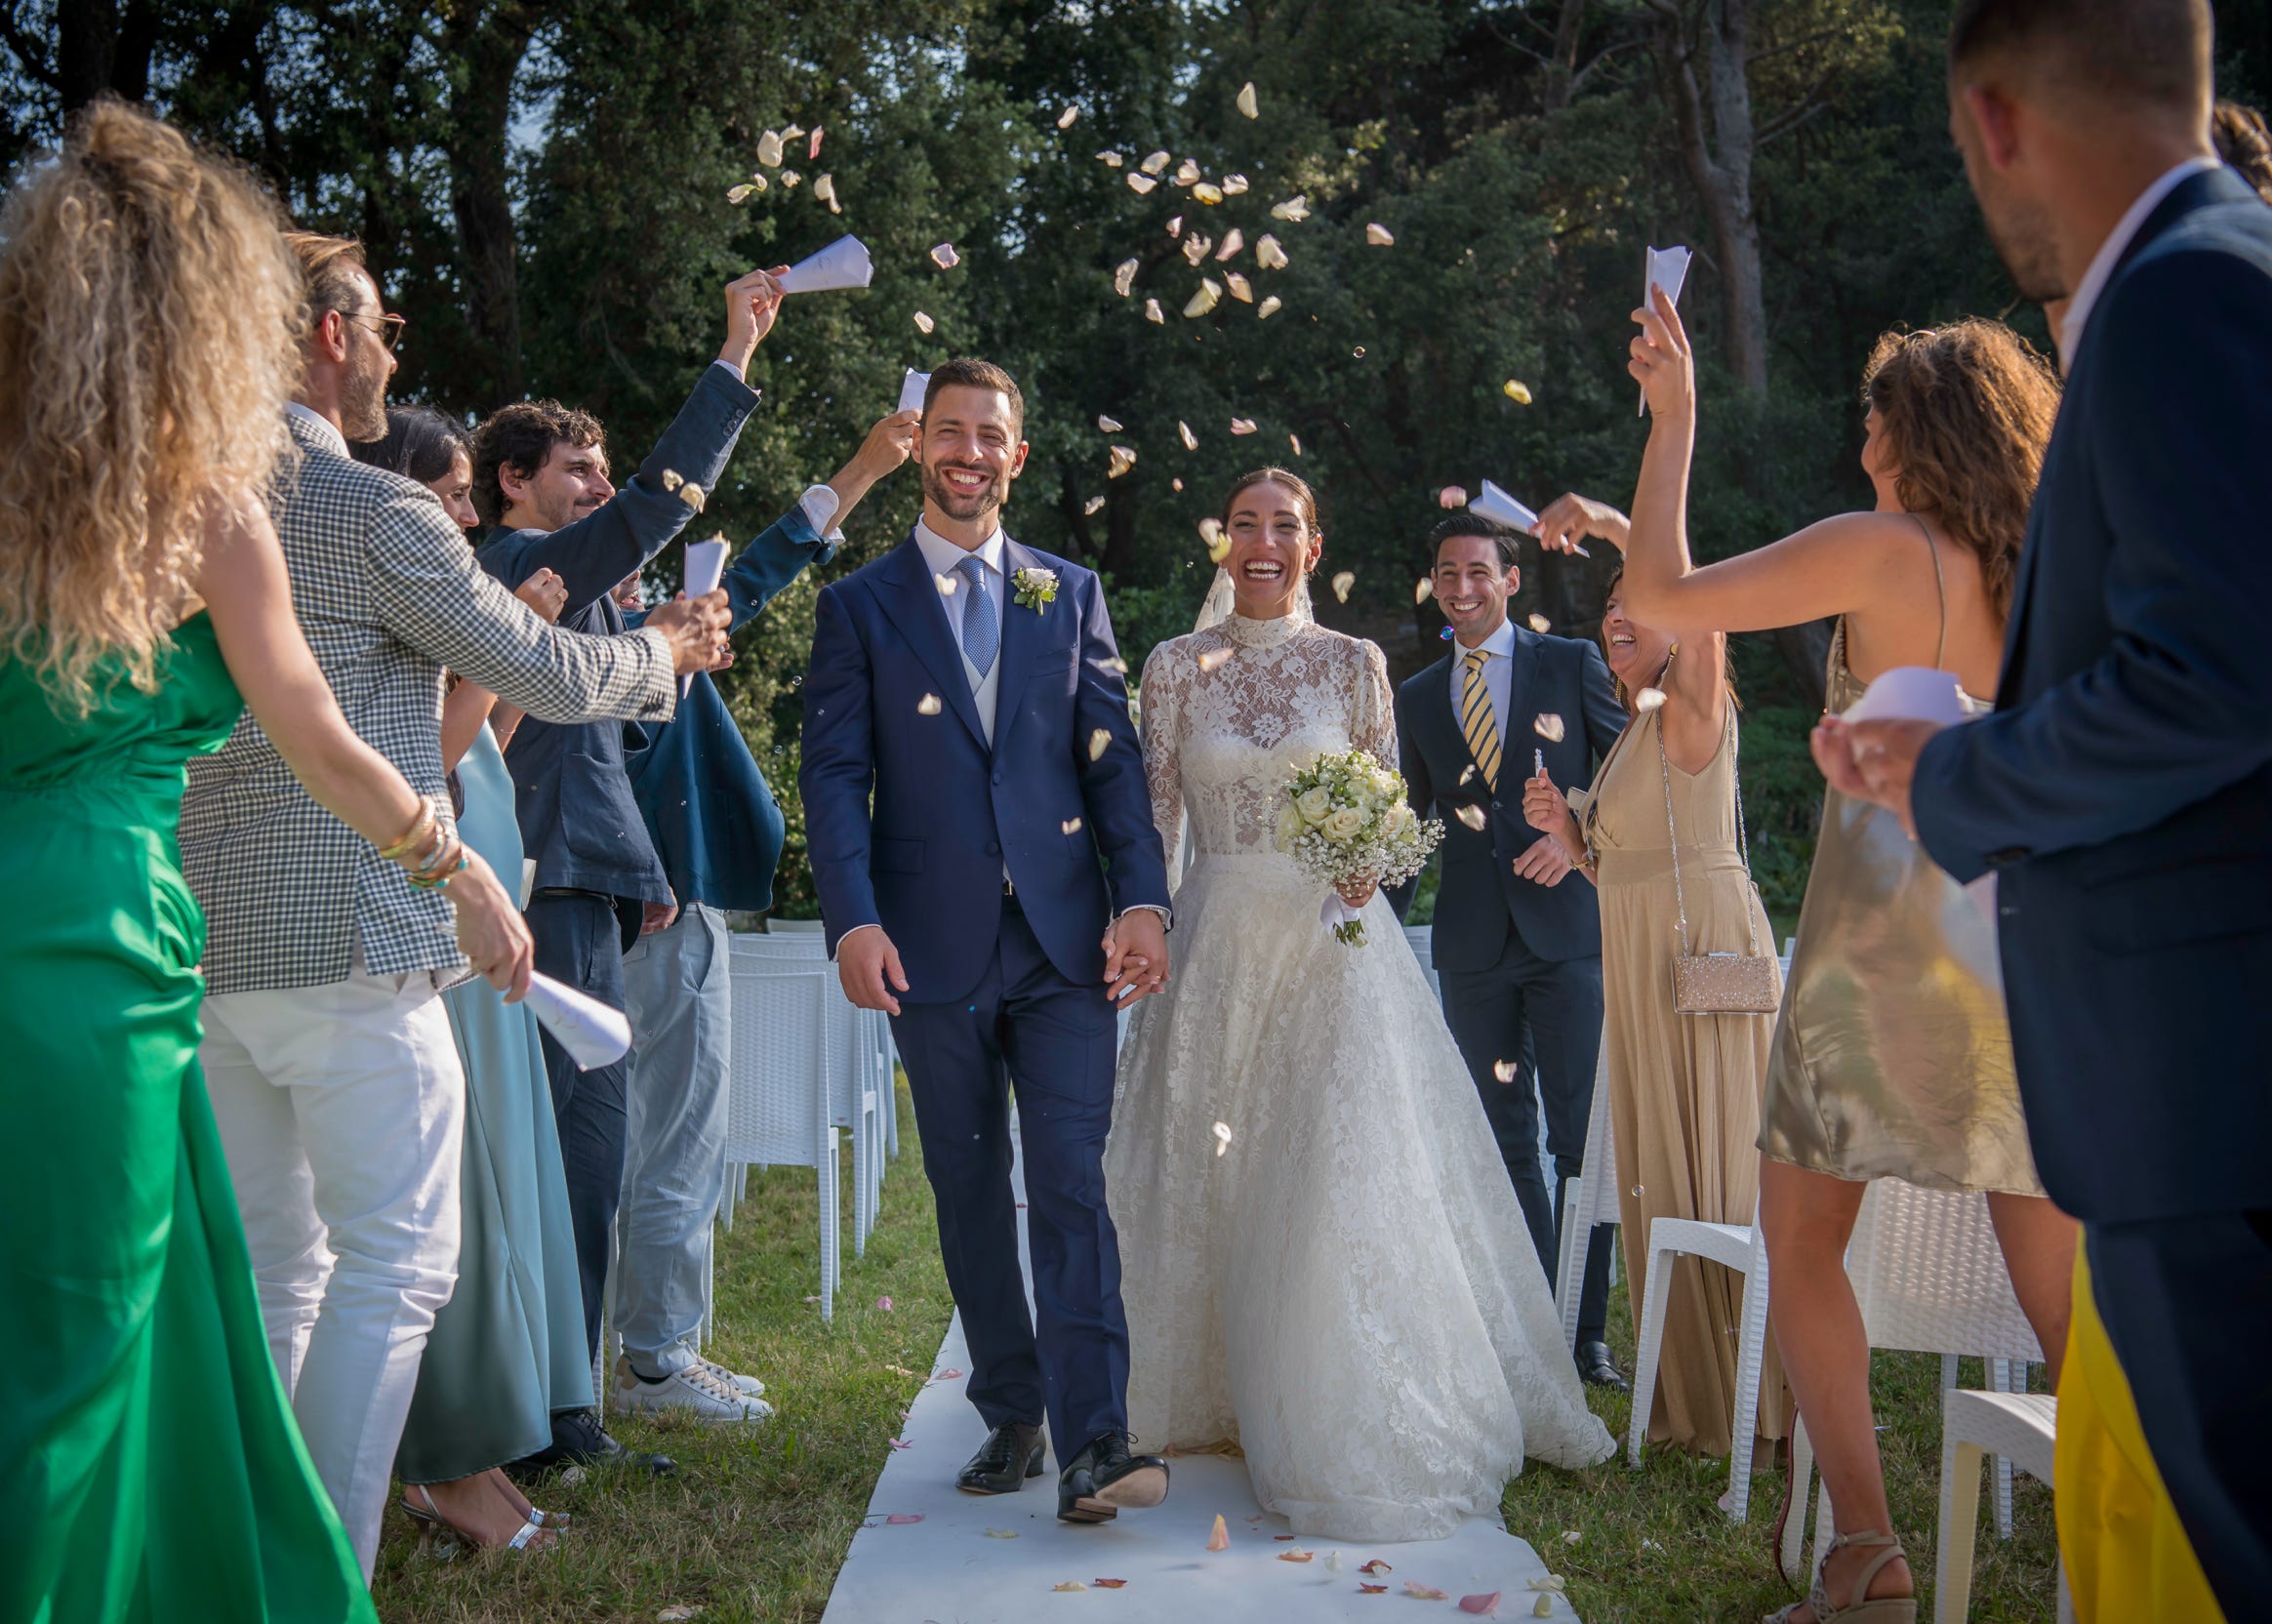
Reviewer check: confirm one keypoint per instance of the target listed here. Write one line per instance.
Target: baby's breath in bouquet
(1345, 821)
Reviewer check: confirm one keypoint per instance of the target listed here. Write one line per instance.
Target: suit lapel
(1525, 682)
(916, 605)
(1021, 640)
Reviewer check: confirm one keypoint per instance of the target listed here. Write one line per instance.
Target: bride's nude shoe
(1885, 1609)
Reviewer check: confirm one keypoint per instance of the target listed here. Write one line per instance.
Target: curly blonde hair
(151, 317)
(1965, 411)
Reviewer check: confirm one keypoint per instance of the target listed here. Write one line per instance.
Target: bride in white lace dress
(1344, 1288)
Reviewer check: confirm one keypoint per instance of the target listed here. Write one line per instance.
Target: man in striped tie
(1516, 950)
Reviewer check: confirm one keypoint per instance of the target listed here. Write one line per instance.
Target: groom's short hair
(968, 372)
(1509, 544)
(2156, 52)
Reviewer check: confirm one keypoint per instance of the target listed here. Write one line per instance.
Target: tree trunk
(1561, 74)
(1717, 143)
(490, 42)
(102, 47)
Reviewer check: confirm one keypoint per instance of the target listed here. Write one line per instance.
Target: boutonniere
(1036, 589)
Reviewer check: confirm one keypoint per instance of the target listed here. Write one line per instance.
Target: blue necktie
(982, 633)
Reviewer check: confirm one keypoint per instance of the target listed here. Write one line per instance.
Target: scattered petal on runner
(1064, 119)
(1125, 276)
(1647, 700)
(1548, 726)
(1110, 159)
(1452, 496)
(1334, 1562)
(948, 1374)
(928, 706)
(1571, 1536)
(1140, 185)
(1196, 247)
(1200, 302)
(1123, 459)
(1001, 1534)
(1108, 1584)
(769, 149)
(1100, 742)
(1341, 585)
(1543, 1608)
(790, 178)
(945, 257)
(1516, 391)
(1295, 440)
(1422, 588)
(672, 479)
(1233, 185)
(813, 148)
(1093, 507)
(1424, 1592)
(1109, 426)
(1294, 210)
(947, 584)
(1186, 173)
(1241, 425)
(1070, 826)
(1152, 311)
(1268, 307)
(1154, 164)
(1297, 1556)
(1506, 1070)
(1240, 288)
(1233, 241)
(1220, 1540)
(923, 323)
(1554, 1582)
(1379, 236)
(692, 495)
(1541, 625)
(1070, 1584)
(1246, 102)
(825, 188)
(1207, 192)
(1270, 253)
(900, 1519)
(741, 192)
(1376, 1565)
(901, 1444)
(1274, 1536)
(1480, 1604)
(1473, 815)
(1372, 1590)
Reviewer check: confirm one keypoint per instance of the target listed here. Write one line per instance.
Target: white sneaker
(740, 1383)
(695, 1388)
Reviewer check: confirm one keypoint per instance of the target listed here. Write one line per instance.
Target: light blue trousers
(677, 992)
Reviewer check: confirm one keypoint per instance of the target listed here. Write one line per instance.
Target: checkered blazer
(388, 593)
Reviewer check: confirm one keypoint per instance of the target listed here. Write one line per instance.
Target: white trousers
(340, 1109)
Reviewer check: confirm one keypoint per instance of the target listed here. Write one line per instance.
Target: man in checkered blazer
(328, 1055)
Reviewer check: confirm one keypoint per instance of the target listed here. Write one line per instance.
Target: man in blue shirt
(711, 818)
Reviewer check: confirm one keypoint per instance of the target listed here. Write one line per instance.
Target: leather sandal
(1860, 1609)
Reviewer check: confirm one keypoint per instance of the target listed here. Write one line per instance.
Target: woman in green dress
(149, 1466)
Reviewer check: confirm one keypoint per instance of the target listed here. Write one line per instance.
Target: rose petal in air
(1209, 659)
(1379, 236)
(1196, 247)
(1268, 307)
(672, 479)
(769, 149)
(825, 188)
(1123, 459)
(1220, 1538)
(790, 178)
(1465, 773)
(1064, 119)
(1207, 194)
(1125, 276)
(1422, 589)
(1175, 225)
(1140, 185)
(1647, 700)
(1100, 742)
(1110, 426)
(1474, 816)
(1270, 253)
(1110, 159)
(1516, 391)
(789, 132)
(1186, 173)
(1223, 1144)
(1209, 295)
(1184, 432)
(1548, 726)
(1295, 440)
(1155, 163)
(1176, 485)
(1238, 287)
(1152, 311)
(1541, 625)
(1233, 185)
(1452, 496)
(813, 148)
(1094, 506)
(1233, 241)
(928, 706)
(1294, 210)
(1241, 425)
(1246, 102)
(1211, 532)
(738, 193)
(945, 257)
(948, 584)
(1506, 1070)
(692, 495)
(1070, 826)
(1342, 581)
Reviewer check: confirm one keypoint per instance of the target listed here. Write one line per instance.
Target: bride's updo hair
(1304, 498)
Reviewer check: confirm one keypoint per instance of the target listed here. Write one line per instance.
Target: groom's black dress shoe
(1105, 1476)
(1010, 1454)
(1598, 1369)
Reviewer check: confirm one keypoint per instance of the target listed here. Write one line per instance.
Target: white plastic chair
(778, 1097)
(794, 927)
(1930, 1277)
(2019, 1427)
(1588, 1200)
(1419, 939)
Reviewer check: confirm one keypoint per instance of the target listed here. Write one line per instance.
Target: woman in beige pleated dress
(1684, 1088)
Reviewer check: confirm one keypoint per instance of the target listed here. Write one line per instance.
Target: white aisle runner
(944, 1566)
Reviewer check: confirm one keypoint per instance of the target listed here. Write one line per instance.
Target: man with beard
(541, 480)
(334, 1077)
(2121, 791)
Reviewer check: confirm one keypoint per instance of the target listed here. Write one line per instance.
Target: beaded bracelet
(441, 881)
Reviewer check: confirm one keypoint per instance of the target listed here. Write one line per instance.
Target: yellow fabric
(2127, 1555)
(1476, 719)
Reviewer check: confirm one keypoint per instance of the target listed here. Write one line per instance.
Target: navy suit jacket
(2122, 789)
(707, 806)
(1060, 798)
(1480, 897)
(577, 816)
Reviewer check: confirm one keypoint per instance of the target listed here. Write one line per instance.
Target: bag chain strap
(1673, 830)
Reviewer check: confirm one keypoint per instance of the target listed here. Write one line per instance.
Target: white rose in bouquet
(1314, 804)
(1396, 820)
(1341, 826)
(1290, 826)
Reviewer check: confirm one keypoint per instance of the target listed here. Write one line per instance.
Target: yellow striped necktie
(1476, 719)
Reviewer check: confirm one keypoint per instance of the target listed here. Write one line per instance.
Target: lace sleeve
(1161, 702)
(1374, 727)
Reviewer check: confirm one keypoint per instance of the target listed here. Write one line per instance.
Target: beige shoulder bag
(1718, 983)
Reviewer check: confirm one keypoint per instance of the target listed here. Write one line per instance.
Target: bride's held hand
(1357, 892)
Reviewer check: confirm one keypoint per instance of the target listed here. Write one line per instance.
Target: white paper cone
(592, 1034)
(912, 388)
(1499, 507)
(527, 880)
(1668, 269)
(843, 264)
(705, 562)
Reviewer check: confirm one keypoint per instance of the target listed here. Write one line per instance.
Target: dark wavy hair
(1966, 411)
(421, 443)
(521, 436)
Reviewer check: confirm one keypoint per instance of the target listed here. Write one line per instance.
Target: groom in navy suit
(1003, 894)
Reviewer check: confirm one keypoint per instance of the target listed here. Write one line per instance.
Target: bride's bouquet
(1346, 822)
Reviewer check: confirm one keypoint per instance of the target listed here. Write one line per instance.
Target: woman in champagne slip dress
(1891, 1058)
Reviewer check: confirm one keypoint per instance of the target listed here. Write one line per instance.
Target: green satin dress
(149, 1466)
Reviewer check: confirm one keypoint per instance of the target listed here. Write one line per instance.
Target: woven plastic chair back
(1930, 1277)
(778, 1097)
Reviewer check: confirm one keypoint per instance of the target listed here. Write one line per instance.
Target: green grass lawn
(757, 1520)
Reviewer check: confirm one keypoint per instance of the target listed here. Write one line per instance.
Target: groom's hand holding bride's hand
(1135, 956)
(868, 966)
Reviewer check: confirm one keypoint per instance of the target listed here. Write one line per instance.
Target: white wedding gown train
(1346, 1287)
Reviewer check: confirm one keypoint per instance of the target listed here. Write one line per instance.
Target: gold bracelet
(420, 826)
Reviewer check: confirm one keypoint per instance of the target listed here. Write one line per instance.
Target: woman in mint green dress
(149, 1466)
